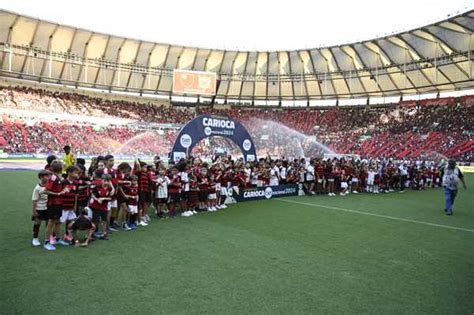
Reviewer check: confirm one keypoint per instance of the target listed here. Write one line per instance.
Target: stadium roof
(433, 58)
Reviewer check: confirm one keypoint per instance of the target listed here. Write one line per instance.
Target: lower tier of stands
(18, 136)
(427, 129)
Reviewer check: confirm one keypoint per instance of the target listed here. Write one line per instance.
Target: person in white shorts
(254, 177)
(344, 185)
(184, 196)
(283, 172)
(212, 197)
(161, 194)
(218, 177)
(131, 198)
(274, 175)
(69, 201)
(310, 177)
(370, 180)
(40, 205)
(355, 181)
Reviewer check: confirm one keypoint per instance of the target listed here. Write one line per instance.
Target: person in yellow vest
(68, 158)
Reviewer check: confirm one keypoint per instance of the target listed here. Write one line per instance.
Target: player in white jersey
(184, 179)
(283, 171)
(370, 180)
(40, 205)
(274, 175)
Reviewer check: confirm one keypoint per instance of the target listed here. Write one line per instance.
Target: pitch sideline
(378, 215)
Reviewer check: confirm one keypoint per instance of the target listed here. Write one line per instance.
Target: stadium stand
(410, 129)
(40, 115)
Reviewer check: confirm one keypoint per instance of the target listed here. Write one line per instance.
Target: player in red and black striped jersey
(330, 178)
(54, 190)
(212, 197)
(83, 193)
(203, 184)
(197, 166)
(113, 204)
(363, 175)
(49, 160)
(292, 175)
(145, 190)
(193, 192)
(239, 178)
(69, 199)
(174, 189)
(152, 178)
(225, 179)
(218, 176)
(81, 223)
(319, 172)
(130, 195)
(389, 176)
(101, 194)
(123, 180)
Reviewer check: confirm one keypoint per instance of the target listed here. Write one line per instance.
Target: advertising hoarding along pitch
(267, 192)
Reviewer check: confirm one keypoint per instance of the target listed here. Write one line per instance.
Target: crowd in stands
(79, 104)
(426, 129)
(302, 120)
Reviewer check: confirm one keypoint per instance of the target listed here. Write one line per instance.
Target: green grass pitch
(292, 255)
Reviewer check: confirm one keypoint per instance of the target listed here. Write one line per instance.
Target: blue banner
(267, 192)
(206, 126)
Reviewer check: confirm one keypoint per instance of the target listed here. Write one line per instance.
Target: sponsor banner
(206, 126)
(250, 158)
(21, 155)
(267, 192)
(194, 82)
(178, 156)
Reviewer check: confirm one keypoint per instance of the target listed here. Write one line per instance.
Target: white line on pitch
(378, 215)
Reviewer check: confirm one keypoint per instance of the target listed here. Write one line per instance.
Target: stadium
(192, 178)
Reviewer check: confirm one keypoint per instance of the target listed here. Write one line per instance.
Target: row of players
(97, 200)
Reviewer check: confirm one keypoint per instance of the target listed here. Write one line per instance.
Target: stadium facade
(429, 59)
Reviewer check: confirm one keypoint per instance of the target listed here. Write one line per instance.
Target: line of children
(110, 199)
(106, 199)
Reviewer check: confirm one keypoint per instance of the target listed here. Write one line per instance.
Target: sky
(243, 24)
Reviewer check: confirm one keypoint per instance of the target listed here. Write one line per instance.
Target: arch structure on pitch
(206, 126)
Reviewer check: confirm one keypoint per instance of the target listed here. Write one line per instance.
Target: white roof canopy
(429, 59)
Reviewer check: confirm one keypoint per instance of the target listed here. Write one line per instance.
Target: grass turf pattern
(302, 255)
